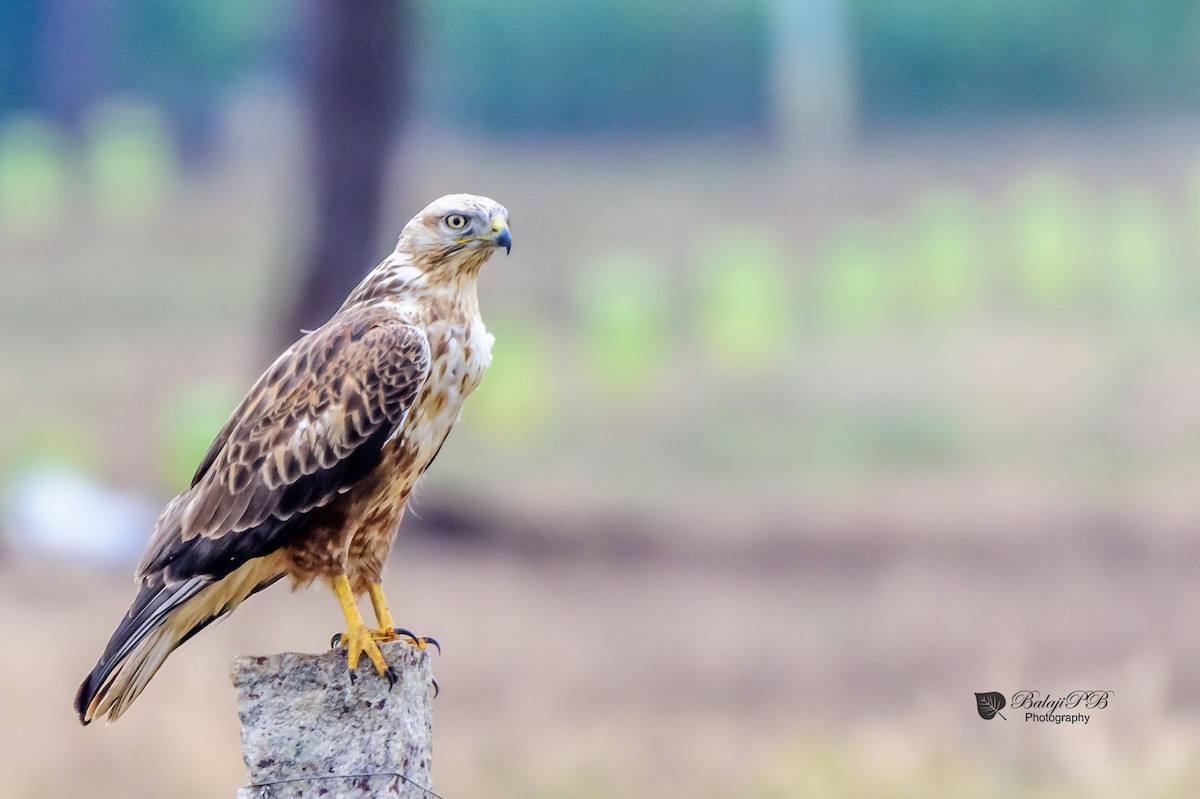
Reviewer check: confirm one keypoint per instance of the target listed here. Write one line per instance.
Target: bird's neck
(397, 279)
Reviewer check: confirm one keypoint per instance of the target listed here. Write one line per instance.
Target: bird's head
(455, 234)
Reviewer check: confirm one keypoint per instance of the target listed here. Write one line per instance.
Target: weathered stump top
(308, 730)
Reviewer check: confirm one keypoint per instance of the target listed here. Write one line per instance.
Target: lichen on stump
(309, 730)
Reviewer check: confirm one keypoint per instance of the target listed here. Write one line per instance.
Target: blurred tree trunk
(356, 89)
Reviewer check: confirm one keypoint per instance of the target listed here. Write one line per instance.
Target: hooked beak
(500, 235)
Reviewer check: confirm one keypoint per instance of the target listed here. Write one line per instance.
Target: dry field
(839, 673)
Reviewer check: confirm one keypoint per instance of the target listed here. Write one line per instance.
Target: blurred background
(846, 364)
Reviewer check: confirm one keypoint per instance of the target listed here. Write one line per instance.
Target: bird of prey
(310, 476)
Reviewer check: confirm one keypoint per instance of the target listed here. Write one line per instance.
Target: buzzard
(310, 476)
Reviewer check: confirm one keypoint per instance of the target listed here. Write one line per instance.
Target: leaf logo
(989, 704)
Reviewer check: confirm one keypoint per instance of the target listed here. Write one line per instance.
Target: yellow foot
(396, 633)
(360, 641)
(387, 631)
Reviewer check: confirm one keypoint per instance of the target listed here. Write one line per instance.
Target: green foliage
(744, 303)
(131, 161)
(1140, 253)
(946, 56)
(186, 55)
(856, 277)
(182, 57)
(34, 179)
(625, 314)
(1051, 241)
(1054, 249)
(540, 66)
(947, 256)
(604, 65)
(52, 443)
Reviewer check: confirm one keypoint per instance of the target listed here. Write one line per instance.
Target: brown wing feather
(313, 425)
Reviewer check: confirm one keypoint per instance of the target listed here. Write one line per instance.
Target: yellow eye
(456, 221)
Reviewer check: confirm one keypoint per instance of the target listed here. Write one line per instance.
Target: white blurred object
(59, 512)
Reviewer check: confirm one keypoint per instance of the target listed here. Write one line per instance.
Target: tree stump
(309, 730)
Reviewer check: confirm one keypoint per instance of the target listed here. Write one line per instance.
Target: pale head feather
(431, 254)
(431, 241)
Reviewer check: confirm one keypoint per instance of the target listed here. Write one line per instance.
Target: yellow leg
(358, 639)
(382, 614)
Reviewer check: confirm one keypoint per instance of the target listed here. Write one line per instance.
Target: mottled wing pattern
(311, 427)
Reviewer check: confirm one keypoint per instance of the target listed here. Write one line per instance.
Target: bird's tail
(161, 618)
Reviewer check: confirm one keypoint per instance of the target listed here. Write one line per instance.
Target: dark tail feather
(161, 618)
(141, 625)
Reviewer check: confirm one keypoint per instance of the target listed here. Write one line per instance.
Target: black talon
(435, 689)
(391, 676)
(335, 641)
(421, 638)
(353, 677)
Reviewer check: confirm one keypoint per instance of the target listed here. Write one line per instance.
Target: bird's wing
(313, 425)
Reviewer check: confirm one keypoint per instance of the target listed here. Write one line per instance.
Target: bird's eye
(456, 221)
